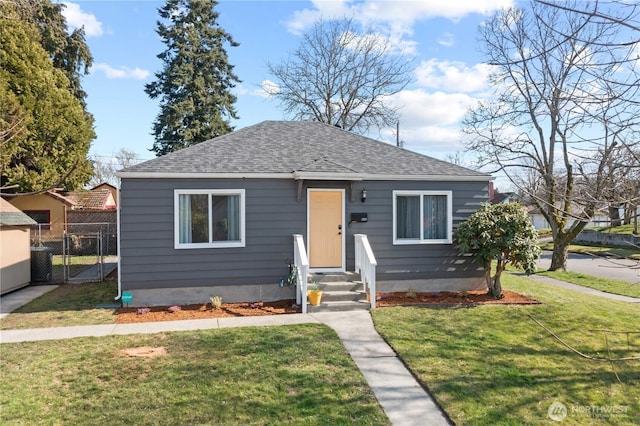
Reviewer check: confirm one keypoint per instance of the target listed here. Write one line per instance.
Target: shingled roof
(12, 216)
(99, 199)
(299, 150)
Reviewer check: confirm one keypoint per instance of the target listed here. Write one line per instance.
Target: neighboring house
(15, 253)
(503, 197)
(218, 218)
(112, 189)
(539, 221)
(57, 212)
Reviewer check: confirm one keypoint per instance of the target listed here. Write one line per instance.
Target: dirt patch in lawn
(144, 352)
(202, 311)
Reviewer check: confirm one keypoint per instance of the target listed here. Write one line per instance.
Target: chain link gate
(77, 251)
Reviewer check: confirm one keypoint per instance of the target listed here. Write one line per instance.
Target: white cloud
(452, 76)
(121, 73)
(421, 108)
(399, 16)
(447, 40)
(430, 122)
(76, 18)
(267, 89)
(240, 89)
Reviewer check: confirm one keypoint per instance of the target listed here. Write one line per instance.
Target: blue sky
(440, 35)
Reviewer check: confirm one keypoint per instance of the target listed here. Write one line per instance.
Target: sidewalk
(581, 289)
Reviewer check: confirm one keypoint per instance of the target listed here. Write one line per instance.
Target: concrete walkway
(96, 272)
(582, 289)
(402, 398)
(12, 301)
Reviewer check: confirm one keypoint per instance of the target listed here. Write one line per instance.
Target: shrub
(216, 302)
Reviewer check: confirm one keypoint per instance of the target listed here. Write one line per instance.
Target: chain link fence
(79, 253)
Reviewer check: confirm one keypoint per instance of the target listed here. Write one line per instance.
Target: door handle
(340, 226)
(340, 229)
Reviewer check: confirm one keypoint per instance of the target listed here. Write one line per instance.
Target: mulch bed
(452, 299)
(200, 311)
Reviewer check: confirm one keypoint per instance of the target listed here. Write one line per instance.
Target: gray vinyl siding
(149, 259)
(273, 214)
(415, 261)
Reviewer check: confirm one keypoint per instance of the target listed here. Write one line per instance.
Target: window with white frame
(422, 217)
(209, 218)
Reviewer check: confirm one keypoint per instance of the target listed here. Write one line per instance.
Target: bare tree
(104, 170)
(566, 103)
(338, 76)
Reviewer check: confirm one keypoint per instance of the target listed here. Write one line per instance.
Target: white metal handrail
(301, 263)
(366, 266)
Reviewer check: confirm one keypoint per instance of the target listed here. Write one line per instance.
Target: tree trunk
(494, 285)
(559, 256)
(614, 215)
(629, 213)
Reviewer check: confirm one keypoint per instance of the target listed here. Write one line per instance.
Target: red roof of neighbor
(86, 200)
(91, 200)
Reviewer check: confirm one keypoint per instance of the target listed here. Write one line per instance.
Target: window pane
(194, 218)
(40, 216)
(435, 217)
(226, 218)
(408, 217)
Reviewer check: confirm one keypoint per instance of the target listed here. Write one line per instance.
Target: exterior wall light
(363, 197)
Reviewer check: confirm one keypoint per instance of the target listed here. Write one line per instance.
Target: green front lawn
(493, 365)
(610, 286)
(260, 376)
(69, 304)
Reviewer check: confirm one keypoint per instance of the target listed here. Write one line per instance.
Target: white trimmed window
(209, 218)
(422, 217)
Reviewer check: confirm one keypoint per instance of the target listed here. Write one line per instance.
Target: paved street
(617, 269)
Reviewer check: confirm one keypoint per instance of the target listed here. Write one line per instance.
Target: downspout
(119, 295)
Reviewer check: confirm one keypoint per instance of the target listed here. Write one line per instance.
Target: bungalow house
(15, 254)
(219, 218)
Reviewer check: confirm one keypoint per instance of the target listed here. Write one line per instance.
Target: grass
(622, 229)
(493, 365)
(277, 375)
(69, 304)
(610, 286)
(616, 251)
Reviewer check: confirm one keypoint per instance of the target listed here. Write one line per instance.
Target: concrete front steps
(340, 292)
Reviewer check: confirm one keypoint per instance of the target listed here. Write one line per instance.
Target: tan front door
(326, 229)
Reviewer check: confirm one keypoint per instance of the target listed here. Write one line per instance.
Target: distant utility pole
(399, 143)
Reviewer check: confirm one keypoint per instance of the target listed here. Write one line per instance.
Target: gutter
(119, 295)
(308, 175)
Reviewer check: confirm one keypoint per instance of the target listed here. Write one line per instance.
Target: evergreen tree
(45, 131)
(195, 82)
(68, 50)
